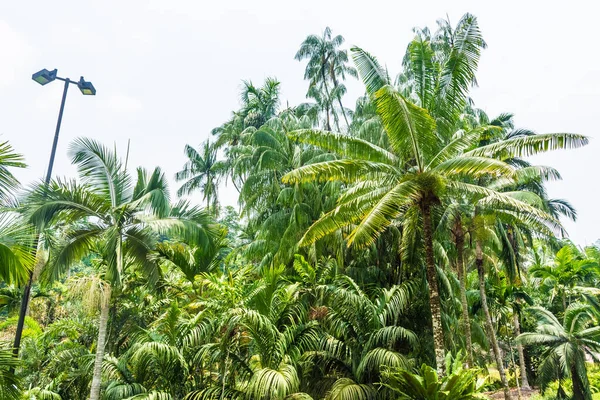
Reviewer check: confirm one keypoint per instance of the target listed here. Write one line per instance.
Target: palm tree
(414, 173)
(479, 263)
(362, 338)
(259, 104)
(258, 353)
(110, 216)
(156, 358)
(570, 269)
(566, 345)
(326, 62)
(279, 214)
(202, 172)
(511, 299)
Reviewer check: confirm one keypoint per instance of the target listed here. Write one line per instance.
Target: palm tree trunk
(488, 319)
(522, 366)
(434, 294)
(460, 267)
(335, 116)
(335, 119)
(324, 80)
(512, 358)
(339, 98)
(101, 344)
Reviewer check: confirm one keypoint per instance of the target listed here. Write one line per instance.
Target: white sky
(168, 71)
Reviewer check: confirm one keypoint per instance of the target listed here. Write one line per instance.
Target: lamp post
(44, 77)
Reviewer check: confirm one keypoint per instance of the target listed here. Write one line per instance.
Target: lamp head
(44, 76)
(86, 87)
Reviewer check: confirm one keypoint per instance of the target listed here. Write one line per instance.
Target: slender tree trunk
(335, 119)
(488, 319)
(100, 346)
(564, 301)
(339, 99)
(434, 294)
(343, 111)
(326, 89)
(335, 116)
(460, 267)
(522, 366)
(516, 372)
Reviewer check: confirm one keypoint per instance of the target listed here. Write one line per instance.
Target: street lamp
(44, 77)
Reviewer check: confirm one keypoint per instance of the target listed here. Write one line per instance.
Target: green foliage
(566, 345)
(10, 384)
(459, 383)
(416, 230)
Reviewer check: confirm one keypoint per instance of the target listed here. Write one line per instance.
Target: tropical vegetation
(403, 248)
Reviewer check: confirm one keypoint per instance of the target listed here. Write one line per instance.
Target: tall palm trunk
(102, 330)
(434, 293)
(459, 239)
(488, 319)
(339, 98)
(101, 344)
(523, 368)
(327, 123)
(335, 118)
(328, 104)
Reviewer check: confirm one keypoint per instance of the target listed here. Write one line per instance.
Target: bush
(458, 384)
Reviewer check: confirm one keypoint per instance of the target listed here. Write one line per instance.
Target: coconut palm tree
(426, 156)
(565, 346)
(414, 173)
(202, 172)
(110, 216)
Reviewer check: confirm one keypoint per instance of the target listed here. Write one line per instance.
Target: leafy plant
(425, 384)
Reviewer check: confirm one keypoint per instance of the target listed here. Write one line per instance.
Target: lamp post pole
(43, 77)
(56, 133)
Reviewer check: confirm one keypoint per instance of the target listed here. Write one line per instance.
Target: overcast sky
(168, 71)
